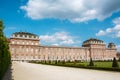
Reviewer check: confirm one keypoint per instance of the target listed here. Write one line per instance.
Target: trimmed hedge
(91, 62)
(4, 52)
(66, 64)
(115, 63)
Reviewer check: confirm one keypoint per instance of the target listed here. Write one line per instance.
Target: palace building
(26, 46)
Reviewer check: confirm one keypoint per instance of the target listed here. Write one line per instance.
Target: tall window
(27, 50)
(23, 50)
(23, 43)
(18, 42)
(32, 50)
(36, 50)
(12, 49)
(13, 42)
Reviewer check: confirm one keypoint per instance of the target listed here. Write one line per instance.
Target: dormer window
(20, 35)
(30, 36)
(15, 35)
(25, 36)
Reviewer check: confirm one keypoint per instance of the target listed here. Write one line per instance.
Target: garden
(98, 65)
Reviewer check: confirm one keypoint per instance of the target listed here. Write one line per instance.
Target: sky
(63, 22)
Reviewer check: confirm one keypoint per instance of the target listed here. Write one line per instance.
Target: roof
(24, 33)
(111, 43)
(93, 40)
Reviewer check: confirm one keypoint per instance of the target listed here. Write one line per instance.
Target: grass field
(97, 64)
(104, 65)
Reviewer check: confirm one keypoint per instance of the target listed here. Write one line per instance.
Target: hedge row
(74, 64)
(4, 52)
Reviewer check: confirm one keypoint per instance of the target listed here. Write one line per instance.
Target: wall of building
(29, 49)
(110, 53)
(63, 53)
(36, 52)
(27, 52)
(24, 41)
(98, 53)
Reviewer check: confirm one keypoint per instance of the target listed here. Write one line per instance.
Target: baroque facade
(25, 46)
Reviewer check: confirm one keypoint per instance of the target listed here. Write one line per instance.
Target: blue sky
(63, 22)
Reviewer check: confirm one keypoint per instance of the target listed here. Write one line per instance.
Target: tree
(4, 52)
(119, 59)
(75, 62)
(55, 61)
(91, 62)
(49, 61)
(115, 63)
(63, 62)
(1, 50)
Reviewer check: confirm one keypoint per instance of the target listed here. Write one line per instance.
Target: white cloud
(109, 30)
(100, 33)
(47, 38)
(116, 21)
(73, 10)
(118, 47)
(68, 41)
(10, 28)
(59, 38)
(117, 27)
(113, 32)
(55, 44)
(118, 34)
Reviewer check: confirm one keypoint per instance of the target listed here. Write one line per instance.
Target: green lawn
(97, 65)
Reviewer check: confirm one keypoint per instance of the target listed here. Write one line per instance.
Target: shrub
(58, 61)
(119, 59)
(75, 62)
(68, 61)
(91, 62)
(63, 62)
(49, 61)
(4, 52)
(55, 61)
(115, 63)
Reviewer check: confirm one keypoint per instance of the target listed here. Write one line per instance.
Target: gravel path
(28, 71)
